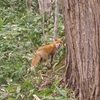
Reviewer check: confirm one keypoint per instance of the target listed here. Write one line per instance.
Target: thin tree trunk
(56, 19)
(82, 30)
(44, 33)
(28, 4)
(44, 7)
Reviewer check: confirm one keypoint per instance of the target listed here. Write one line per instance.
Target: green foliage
(27, 90)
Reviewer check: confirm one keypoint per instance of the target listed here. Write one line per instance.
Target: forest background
(22, 32)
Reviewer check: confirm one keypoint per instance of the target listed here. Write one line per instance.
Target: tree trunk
(28, 4)
(56, 19)
(82, 31)
(45, 6)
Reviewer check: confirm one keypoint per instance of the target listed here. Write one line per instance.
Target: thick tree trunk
(82, 30)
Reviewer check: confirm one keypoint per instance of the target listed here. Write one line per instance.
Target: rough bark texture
(82, 30)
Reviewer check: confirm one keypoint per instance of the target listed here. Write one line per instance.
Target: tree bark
(28, 4)
(82, 32)
(56, 19)
(45, 6)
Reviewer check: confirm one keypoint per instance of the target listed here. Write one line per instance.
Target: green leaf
(25, 84)
(45, 92)
(11, 89)
(62, 92)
